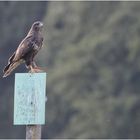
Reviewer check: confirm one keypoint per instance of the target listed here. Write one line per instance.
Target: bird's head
(37, 26)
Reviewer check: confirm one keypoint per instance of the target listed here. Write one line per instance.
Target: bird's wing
(11, 58)
(25, 47)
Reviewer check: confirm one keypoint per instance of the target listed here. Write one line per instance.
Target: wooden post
(33, 132)
(29, 102)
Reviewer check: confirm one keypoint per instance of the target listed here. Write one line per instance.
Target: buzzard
(27, 50)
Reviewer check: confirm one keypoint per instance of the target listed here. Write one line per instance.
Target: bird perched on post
(27, 50)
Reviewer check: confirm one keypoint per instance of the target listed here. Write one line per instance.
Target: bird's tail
(10, 67)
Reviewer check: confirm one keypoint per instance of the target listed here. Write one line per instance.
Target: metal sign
(29, 98)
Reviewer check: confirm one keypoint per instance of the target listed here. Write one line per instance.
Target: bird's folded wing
(26, 46)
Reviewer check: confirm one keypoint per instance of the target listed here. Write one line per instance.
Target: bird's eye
(37, 24)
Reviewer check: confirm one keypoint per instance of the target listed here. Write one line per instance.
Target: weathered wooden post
(29, 102)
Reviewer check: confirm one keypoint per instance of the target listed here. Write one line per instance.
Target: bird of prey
(27, 50)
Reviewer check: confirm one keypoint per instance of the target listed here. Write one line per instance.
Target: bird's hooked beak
(40, 24)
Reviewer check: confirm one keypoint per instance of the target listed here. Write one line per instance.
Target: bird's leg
(32, 70)
(38, 69)
(34, 64)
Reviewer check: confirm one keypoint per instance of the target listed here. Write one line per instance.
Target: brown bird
(27, 50)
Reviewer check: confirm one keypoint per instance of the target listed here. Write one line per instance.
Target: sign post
(29, 102)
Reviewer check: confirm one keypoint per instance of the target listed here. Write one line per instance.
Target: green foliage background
(92, 53)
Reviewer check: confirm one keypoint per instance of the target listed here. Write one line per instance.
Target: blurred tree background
(92, 53)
